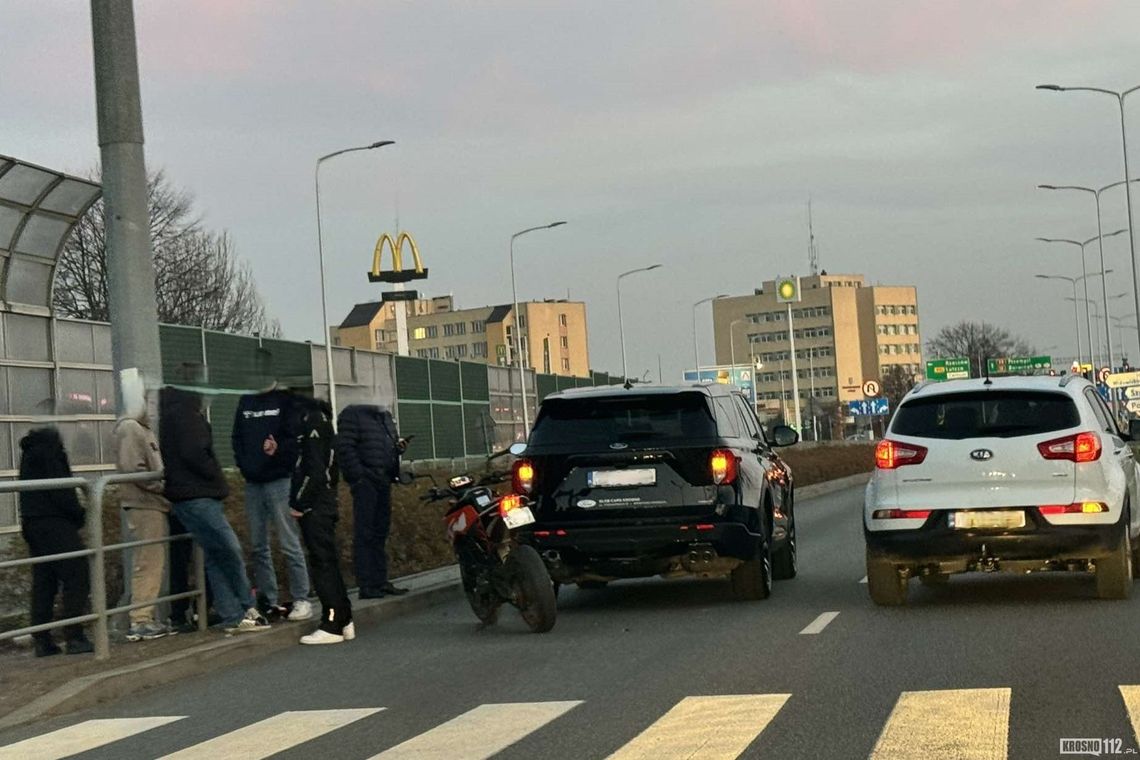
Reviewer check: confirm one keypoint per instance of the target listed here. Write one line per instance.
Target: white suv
(1015, 473)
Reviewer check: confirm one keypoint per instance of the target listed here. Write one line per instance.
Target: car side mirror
(1134, 430)
(782, 435)
(517, 449)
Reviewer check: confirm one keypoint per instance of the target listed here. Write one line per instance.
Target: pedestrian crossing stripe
(966, 724)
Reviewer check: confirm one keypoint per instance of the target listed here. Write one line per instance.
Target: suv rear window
(626, 418)
(986, 414)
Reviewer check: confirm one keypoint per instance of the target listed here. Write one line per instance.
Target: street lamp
(696, 353)
(321, 261)
(621, 324)
(518, 323)
(1095, 306)
(1076, 318)
(732, 341)
(1085, 274)
(1120, 96)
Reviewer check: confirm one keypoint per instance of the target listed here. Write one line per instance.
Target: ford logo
(619, 446)
(981, 455)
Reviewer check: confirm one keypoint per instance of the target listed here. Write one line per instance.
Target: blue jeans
(265, 504)
(225, 567)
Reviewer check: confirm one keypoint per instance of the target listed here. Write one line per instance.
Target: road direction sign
(875, 407)
(1103, 373)
(1132, 393)
(1017, 364)
(1134, 406)
(1123, 380)
(871, 388)
(948, 369)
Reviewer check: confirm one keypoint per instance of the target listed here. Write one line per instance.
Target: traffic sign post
(875, 407)
(957, 368)
(871, 388)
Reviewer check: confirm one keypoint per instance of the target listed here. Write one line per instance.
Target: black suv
(630, 481)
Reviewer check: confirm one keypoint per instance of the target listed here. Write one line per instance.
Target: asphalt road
(988, 667)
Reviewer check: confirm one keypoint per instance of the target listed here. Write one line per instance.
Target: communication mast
(813, 250)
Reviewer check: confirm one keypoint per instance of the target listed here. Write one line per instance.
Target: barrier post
(200, 580)
(98, 567)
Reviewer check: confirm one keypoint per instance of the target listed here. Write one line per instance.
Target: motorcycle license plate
(988, 518)
(518, 517)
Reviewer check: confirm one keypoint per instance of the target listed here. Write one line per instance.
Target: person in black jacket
(312, 499)
(195, 486)
(369, 449)
(50, 522)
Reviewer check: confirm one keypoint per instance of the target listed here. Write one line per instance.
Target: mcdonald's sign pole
(321, 259)
(518, 324)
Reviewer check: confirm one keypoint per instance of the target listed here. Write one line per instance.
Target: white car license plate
(988, 518)
(518, 517)
(621, 478)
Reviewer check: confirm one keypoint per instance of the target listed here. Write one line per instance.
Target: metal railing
(96, 554)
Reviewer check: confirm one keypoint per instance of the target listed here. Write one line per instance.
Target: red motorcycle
(496, 569)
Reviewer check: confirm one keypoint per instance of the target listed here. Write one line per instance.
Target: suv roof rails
(1068, 379)
(921, 385)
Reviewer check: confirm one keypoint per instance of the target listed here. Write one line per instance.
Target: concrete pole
(795, 376)
(130, 261)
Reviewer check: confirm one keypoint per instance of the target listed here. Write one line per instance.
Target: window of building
(461, 351)
(522, 321)
(479, 349)
(420, 333)
(478, 327)
(432, 331)
(422, 353)
(564, 341)
(433, 353)
(565, 365)
(562, 320)
(448, 330)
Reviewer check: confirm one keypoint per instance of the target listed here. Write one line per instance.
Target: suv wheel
(1114, 572)
(784, 563)
(886, 584)
(752, 579)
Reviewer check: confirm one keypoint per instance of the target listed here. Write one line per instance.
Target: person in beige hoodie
(145, 510)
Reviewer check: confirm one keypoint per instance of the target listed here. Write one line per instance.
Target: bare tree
(897, 382)
(199, 279)
(976, 341)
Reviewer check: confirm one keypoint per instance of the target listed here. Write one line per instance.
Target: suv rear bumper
(633, 551)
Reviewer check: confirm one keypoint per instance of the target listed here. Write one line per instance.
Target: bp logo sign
(788, 290)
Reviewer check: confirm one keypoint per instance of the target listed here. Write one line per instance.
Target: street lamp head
(1046, 187)
(381, 144)
(554, 224)
(1051, 87)
(651, 267)
(1043, 276)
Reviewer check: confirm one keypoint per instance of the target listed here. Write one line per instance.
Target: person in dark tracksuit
(50, 522)
(368, 449)
(312, 500)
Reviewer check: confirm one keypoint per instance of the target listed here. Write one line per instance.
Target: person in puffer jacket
(368, 449)
(50, 522)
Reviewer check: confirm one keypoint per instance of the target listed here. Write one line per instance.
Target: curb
(832, 486)
(425, 590)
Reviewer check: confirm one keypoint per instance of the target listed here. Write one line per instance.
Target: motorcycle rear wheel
(485, 607)
(534, 591)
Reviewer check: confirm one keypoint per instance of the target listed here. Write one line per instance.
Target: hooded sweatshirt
(139, 452)
(43, 456)
(258, 417)
(187, 446)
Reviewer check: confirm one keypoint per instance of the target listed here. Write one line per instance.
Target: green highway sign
(1017, 364)
(957, 368)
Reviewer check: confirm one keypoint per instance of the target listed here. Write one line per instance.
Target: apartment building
(554, 333)
(846, 332)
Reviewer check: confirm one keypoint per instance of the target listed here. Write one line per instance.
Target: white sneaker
(253, 621)
(350, 632)
(302, 610)
(322, 637)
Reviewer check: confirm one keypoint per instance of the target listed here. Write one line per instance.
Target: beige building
(846, 333)
(554, 333)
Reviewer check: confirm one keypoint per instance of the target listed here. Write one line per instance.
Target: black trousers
(55, 535)
(372, 520)
(181, 565)
(318, 529)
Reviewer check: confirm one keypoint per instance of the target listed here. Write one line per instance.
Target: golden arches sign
(397, 273)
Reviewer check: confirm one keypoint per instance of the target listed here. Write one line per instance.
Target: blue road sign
(874, 407)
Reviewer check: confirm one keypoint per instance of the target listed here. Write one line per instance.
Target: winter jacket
(257, 418)
(43, 456)
(138, 452)
(315, 477)
(366, 444)
(187, 446)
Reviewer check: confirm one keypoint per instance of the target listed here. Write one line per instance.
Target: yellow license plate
(988, 518)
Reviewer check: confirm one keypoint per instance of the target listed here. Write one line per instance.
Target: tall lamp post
(1094, 305)
(621, 324)
(321, 261)
(696, 352)
(518, 323)
(1120, 96)
(1085, 274)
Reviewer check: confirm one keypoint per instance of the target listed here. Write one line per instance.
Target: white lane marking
(864, 579)
(965, 724)
(81, 737)
(711, 728)
(273, 735)
(819, 623)
(479, 733)
(1131, 695)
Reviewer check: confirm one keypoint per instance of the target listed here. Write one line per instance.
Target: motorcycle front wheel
(485, 606)
(534, 592)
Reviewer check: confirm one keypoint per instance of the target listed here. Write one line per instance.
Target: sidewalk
(31, 688)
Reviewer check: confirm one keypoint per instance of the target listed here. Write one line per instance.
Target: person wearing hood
(265, 452)
(195, 487)
(312, 500)
(50, 522)
(144, 508)
(368, 449)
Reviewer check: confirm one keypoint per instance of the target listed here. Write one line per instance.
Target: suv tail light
(1082, 447)
(723, 465)
(1079, 508)
(522, 476)
(900, 514)
(890, 455)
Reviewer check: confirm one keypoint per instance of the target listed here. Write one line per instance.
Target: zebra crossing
(967, 724)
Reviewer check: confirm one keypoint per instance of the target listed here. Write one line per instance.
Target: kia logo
(619, 446)
(981, 455)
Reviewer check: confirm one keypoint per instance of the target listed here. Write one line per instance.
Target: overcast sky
(685, 133)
